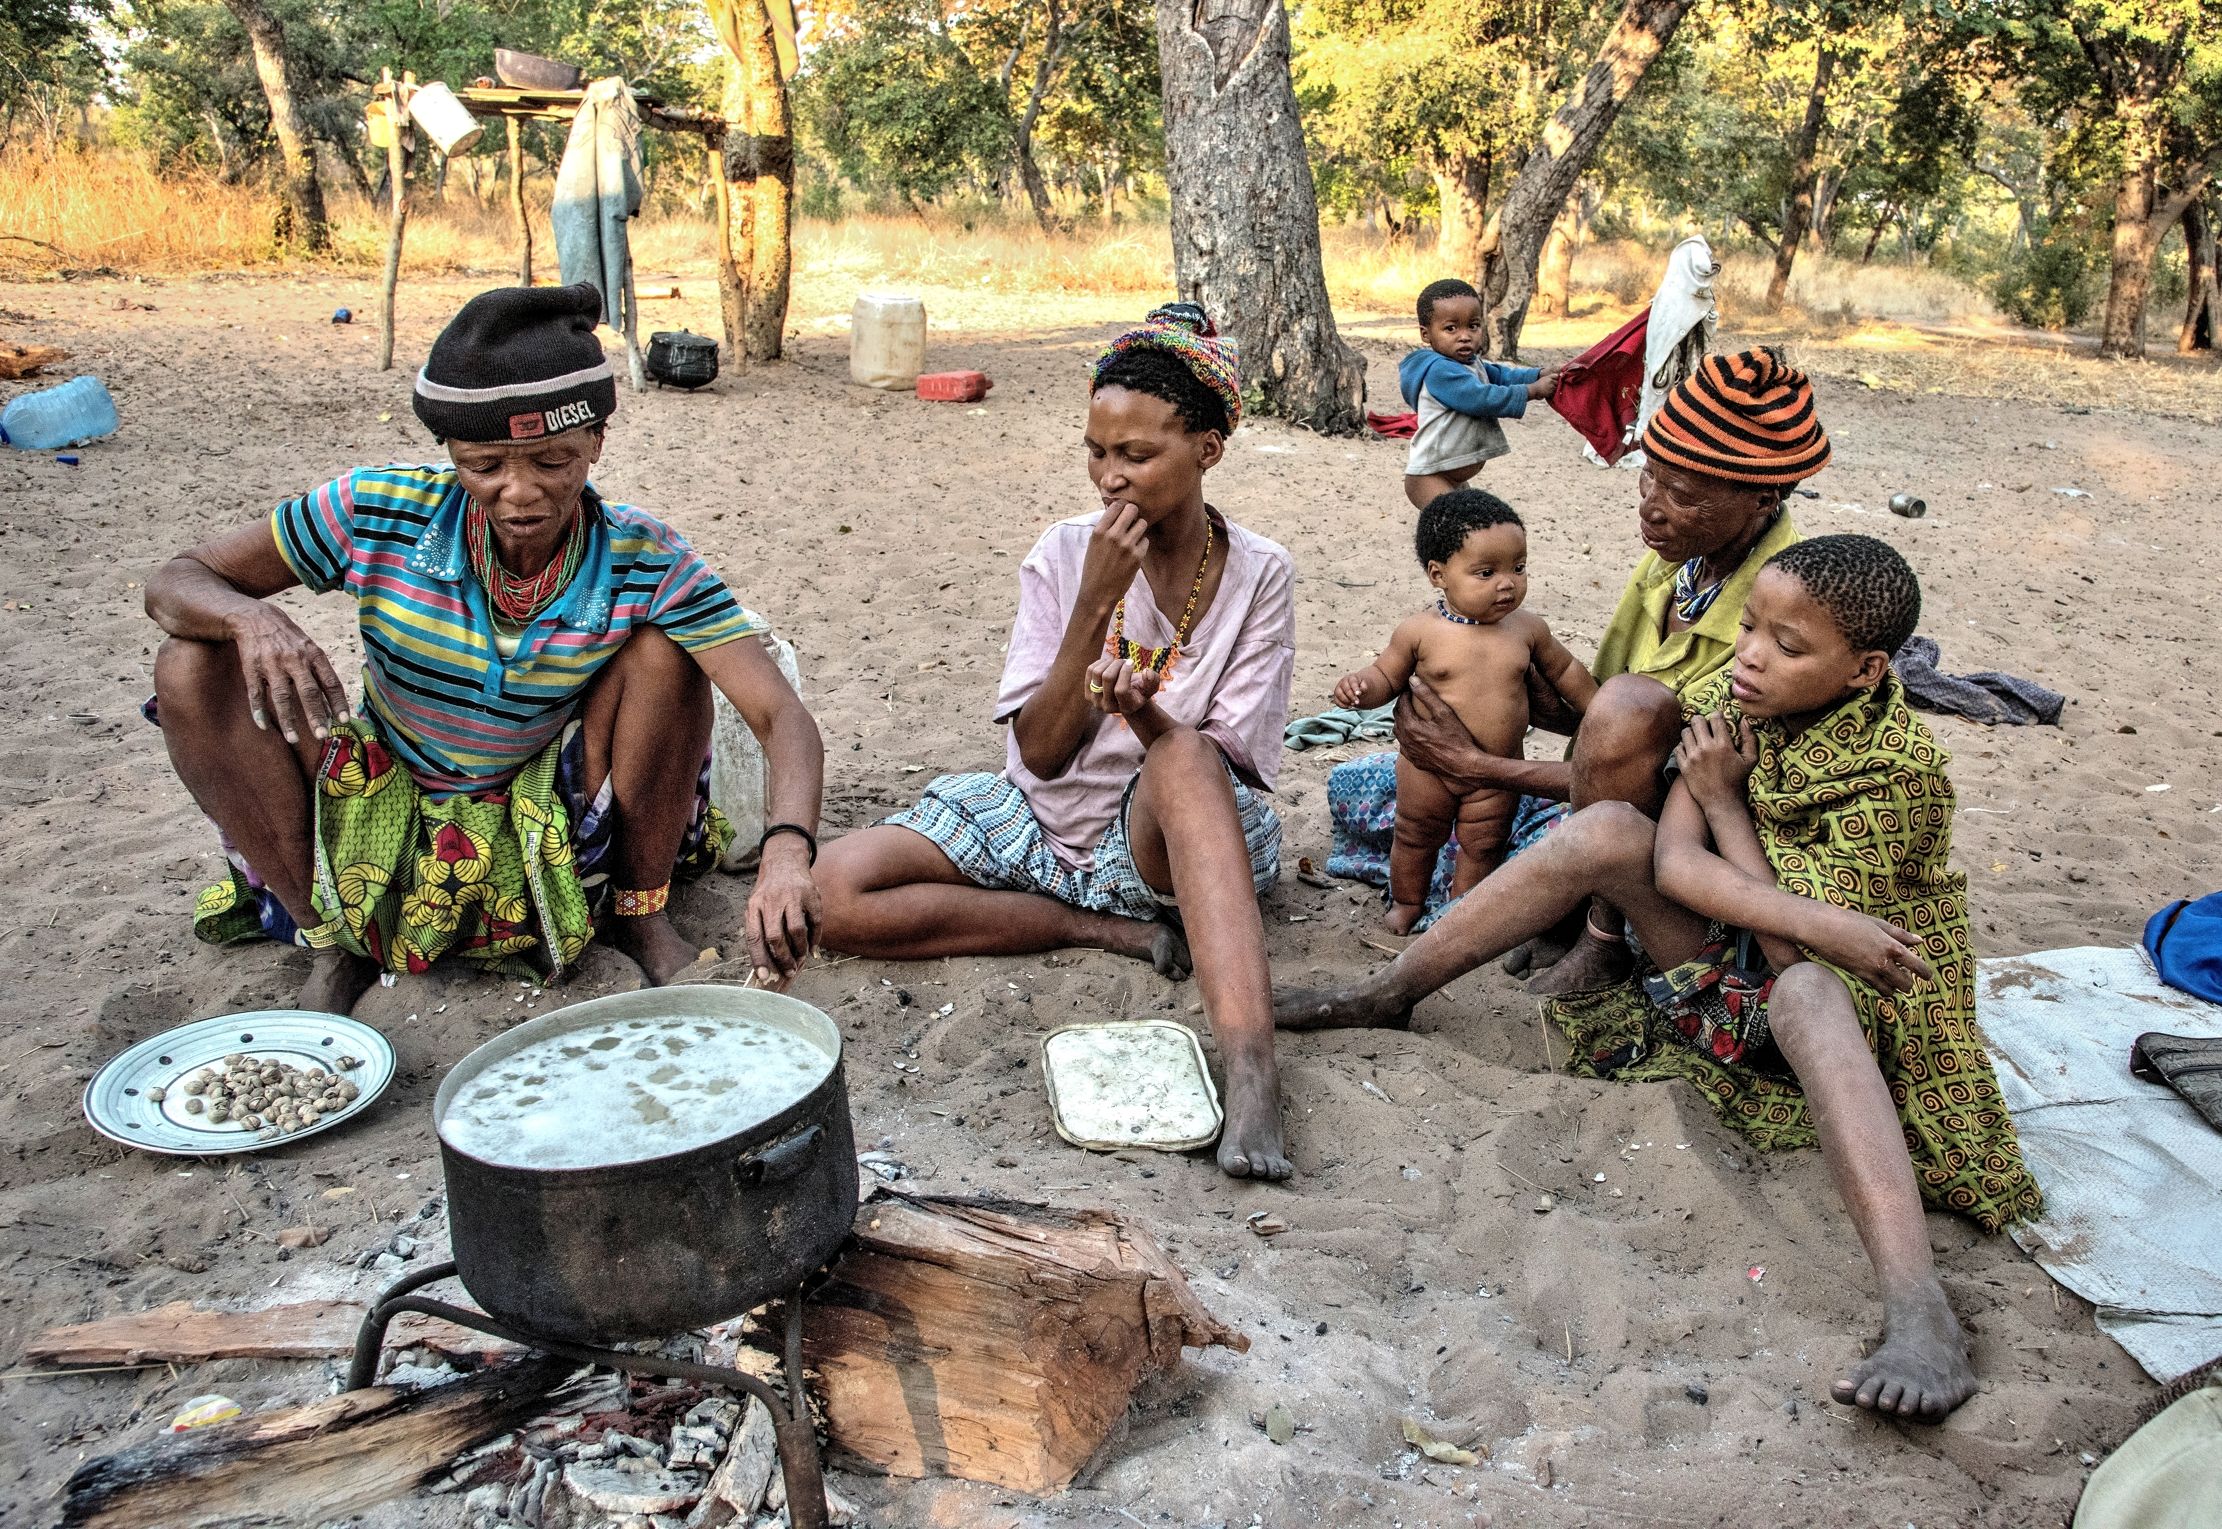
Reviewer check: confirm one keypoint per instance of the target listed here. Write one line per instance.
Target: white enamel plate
(117, 1106)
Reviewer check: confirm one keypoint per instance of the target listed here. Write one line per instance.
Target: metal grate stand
(791, 1422)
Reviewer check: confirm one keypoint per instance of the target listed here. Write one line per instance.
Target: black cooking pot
(682, 359)
(648, 1248)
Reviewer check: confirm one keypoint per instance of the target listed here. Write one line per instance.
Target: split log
(307, 1465)
(994, 1341)
(181, 1333)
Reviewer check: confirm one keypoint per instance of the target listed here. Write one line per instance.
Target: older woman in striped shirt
(530, 760)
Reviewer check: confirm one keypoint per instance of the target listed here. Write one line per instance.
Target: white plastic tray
(1130, 1083)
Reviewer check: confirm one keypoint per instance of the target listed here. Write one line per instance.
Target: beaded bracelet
(797, 829)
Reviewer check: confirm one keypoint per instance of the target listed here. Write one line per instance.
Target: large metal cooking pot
(649, 1248)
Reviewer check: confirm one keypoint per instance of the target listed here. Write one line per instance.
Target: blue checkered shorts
(985, 826)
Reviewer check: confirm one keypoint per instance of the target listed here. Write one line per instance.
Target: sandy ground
(1416, 1278)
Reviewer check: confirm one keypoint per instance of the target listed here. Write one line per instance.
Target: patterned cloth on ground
(1856, 811)
(983, 824)
(1989, 697)
(1361, 809)
(511, 878)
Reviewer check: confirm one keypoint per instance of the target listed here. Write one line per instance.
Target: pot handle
(781, 1162)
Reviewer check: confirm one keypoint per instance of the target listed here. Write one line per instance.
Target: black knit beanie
(516, 364)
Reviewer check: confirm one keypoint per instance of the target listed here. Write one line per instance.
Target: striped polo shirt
(460, 716)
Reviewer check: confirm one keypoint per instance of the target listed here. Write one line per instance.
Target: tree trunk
(1825, 190)
(1022, 132)
(1245, 219)
(303, 223)
(1514, 243)
(2202, 313)
(1462, 188)
(1554, 277)
(1875, 234)
(758, 184)
(1799, 217)
(2130, 277)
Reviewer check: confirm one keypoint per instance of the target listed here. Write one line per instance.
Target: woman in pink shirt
(1146, 687)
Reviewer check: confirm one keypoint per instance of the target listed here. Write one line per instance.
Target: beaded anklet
(640, 904)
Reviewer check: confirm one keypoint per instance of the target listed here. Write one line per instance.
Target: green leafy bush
(2052, 284)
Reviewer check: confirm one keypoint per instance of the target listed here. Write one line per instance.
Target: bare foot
(1593, 964)
(1250, 1146)
(1543, 952)
(654, 946)
(336, 981)
(1168, 952)
(1402, 916)
(1920, 1370)
(1161, 944)
(1310, 1008)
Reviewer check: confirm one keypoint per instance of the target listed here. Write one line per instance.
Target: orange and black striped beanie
(1744, 419)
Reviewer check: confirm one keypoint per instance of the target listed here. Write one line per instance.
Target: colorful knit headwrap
(1745, 419)
(1186, 333)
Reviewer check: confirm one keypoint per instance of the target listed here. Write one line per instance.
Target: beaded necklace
(1161, 660)
(517, 599)
(1442, 609)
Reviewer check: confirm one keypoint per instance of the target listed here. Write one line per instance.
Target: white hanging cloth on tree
(1683, 318)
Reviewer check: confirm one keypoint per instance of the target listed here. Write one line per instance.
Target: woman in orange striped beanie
(1722, 454)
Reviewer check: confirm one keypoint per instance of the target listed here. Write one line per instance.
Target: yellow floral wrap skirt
(512, 878)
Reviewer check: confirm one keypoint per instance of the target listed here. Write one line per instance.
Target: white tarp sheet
(2132, 1175)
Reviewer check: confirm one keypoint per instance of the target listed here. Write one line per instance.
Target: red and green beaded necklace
(519, 599)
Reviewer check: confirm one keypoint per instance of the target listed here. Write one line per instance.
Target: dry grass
(111, 209)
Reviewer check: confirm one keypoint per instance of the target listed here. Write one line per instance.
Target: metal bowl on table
(530, 71)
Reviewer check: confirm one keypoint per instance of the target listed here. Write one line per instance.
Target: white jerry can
(739, 784)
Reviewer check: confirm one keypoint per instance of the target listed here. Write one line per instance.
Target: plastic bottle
(78, 410)
(887, 341)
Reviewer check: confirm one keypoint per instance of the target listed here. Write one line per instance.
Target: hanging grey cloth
(597, 192)
(1988, 697)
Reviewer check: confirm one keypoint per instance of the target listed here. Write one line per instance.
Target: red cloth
(1599, 390)
(1394, 427)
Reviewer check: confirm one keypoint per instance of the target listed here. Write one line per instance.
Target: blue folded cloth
(1989, 697)
(1340, 724)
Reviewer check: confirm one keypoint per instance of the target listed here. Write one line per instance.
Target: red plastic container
(954, 387)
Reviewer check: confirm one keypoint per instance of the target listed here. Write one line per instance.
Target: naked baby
(1475, 647)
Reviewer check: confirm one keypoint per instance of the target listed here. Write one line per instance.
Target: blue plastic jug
(76, 411)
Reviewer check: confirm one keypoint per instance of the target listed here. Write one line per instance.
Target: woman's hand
(1114, 556)
(1874, 950)
(1717, 760)
(290, 683)
(1430, 735)
(783, 913)
(1119, 689)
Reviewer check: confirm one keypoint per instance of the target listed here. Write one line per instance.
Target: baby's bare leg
(1484, 828)
(1425, 809)
(1422, 489)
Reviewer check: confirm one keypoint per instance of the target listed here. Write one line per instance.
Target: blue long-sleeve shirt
(1458, 408)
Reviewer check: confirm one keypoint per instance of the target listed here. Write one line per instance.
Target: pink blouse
(1231, 682)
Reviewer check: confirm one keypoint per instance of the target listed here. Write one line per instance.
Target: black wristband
(798, 830)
